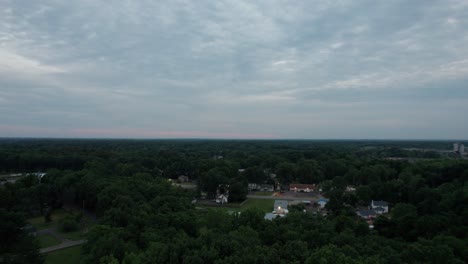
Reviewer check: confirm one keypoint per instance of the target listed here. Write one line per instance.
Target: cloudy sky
(234, 69)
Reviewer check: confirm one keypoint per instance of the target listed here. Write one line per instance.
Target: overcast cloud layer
(234, 69)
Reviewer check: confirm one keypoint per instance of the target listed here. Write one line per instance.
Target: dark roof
(366, 212)
(379, 209)
(380, 203)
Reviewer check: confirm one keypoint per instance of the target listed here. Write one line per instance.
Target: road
(289, 198)
(64, 244)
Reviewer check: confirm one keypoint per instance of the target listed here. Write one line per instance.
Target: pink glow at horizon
(28, 131)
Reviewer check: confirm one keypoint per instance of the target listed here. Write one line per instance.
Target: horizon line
(238, 139)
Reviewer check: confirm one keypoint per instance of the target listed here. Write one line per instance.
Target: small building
(382, 205)
(367, 214)
(280, 207)
(266, 187)
(322, 202)
(302, 187)
(252, 186)
(379, 210)
(350, 189)
(222, 199)
(270, 216)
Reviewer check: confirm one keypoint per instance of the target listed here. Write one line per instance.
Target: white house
(222, 199)
(280, 207)
(380, 207)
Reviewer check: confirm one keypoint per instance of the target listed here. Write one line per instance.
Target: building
(322, 202)
(266, 187)
(252, 186)
(270, 216)
(302, 187)
(367, 214)
(459, 148)
(222, 199)
(280, 207)
(260, 187)
(380, 207)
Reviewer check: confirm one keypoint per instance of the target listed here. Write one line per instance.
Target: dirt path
(65, 243)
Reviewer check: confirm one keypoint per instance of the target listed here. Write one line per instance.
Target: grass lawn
(39, 222)
(58, 215)
(74, 235)
(266, 205)
(46, 240)
(68, 255)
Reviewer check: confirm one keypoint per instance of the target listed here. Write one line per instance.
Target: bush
(68, 224)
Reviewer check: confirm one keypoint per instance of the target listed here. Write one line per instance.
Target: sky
(234, 69)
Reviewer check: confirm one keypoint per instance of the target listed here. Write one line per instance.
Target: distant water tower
(456, 146)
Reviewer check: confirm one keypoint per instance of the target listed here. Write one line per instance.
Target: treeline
(142, 218)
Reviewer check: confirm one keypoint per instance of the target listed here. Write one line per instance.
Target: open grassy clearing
(39, 221)
(46, 240)
(266, 205)
(68, 255)
(40, 224)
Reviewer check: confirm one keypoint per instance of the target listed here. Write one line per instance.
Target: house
(222, 199)
(322, 202)
(379, 206)
(367, 214)
(252, 186)
(280, 207)
(183, 178)
(302, 187)
(266, 187)
(350, 189)
(270, 216)
(379, 210)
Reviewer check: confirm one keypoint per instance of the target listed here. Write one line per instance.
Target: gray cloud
(301, 69)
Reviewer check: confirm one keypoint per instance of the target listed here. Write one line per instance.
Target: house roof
(379, 203)
(270, 216)
(379, 209)
(302, 186)
(282, 203)
(323, 200)
(366, 212)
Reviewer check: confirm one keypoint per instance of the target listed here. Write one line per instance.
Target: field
(47, 240)
(57, 215)
(68, 255)
(265, 205)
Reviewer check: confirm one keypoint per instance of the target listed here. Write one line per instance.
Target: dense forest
(143, 218)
